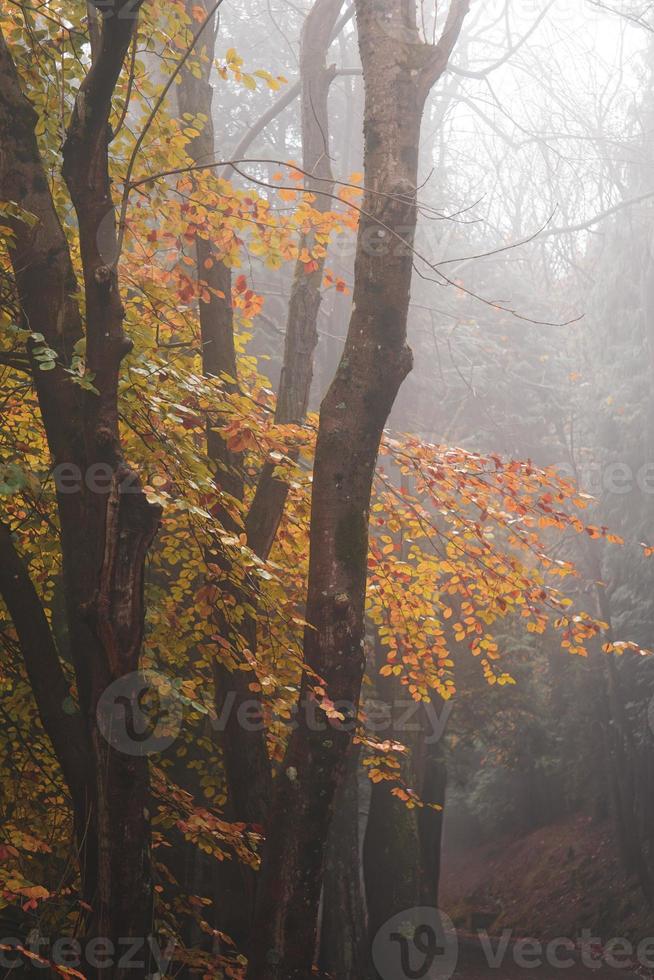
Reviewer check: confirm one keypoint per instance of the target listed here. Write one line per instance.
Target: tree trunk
(402, 847)
(105, 533)
(306, 292)
(433, 786)
(623, 752)
(244, 752)
(233, 883)
(247, 766)
(398, 73)
(344, 949)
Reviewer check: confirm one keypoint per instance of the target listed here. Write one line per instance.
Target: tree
(235, 604)
(105, 535)
(352, 417)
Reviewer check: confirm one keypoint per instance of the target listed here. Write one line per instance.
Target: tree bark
(344, 948)
(62, 724)
(398, 73)
(104, 535)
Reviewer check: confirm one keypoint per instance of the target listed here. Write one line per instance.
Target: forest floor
(562, 881)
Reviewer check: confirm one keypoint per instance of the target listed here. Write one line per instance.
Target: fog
(327, 487)
(531, 326)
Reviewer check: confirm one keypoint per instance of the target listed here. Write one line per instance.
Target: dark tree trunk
(391, 859)
(402, 847)
(623, 752)
(433, 786)
(391, 850)
(104, 535)
(344, 949)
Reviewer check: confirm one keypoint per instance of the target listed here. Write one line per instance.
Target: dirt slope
(555, 882)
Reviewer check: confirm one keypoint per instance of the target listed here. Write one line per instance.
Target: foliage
(461, 542)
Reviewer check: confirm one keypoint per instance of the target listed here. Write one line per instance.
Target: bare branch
(634, 19)
(585, 225)
(483, 72)
(440, 53)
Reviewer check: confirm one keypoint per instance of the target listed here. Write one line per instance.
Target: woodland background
(208, 279)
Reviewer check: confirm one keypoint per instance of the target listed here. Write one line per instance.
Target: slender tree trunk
(244, 755)
(623, 753)
(306, 292)
(391, 850)
(244, 752)
(402, 847)
(248, 770)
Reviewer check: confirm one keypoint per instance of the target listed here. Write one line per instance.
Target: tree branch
(15, 361)
(61, 721)
(440, 53)
(291, 93)
(585, 225)
(483, 72)
(285, 99)
(39, 253)
(634, 19)
(94, 99)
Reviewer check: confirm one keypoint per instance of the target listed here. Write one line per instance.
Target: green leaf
(12, 479)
